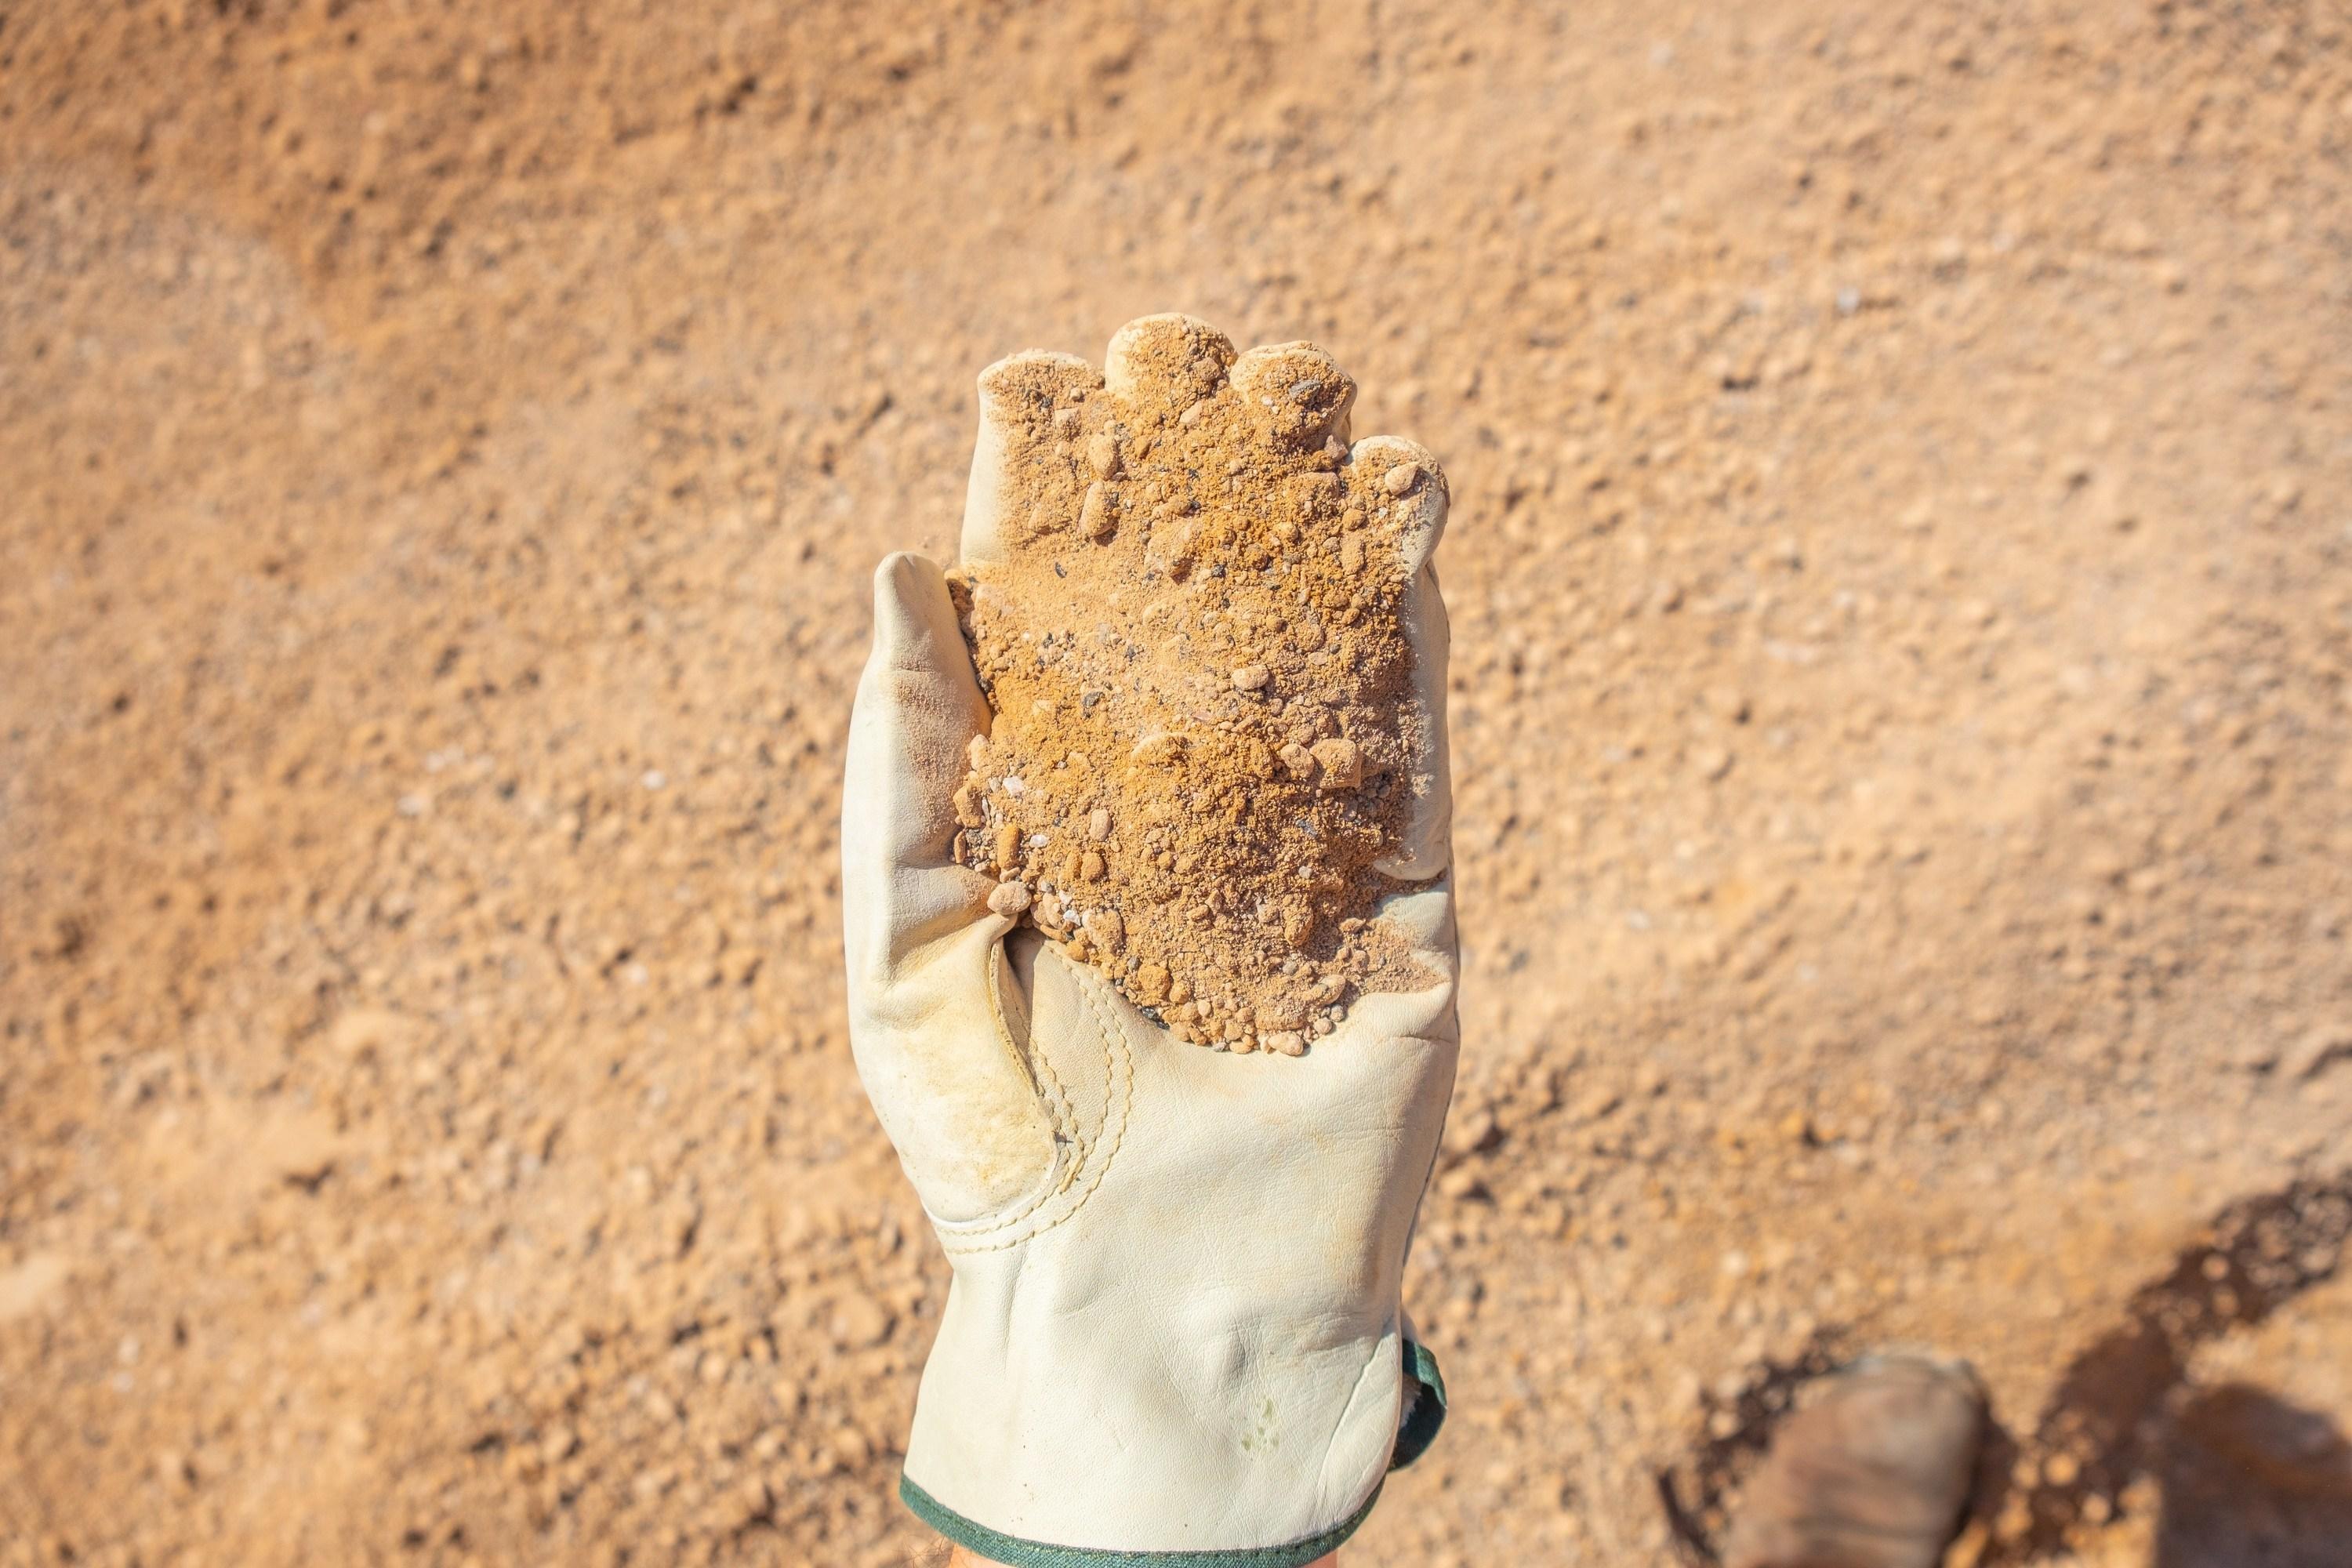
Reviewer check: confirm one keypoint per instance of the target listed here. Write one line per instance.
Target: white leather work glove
(1174, 1333)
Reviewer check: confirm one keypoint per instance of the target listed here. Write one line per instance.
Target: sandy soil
(1902, 510)
(1214, 749)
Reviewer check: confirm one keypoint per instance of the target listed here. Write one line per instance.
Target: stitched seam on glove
(1119, 1074)
(1041, 1073)
(1066, 1165)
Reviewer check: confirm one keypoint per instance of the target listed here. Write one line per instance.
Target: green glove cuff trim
(1015, 1552)
(1427, 1415)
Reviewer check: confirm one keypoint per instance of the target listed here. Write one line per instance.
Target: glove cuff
(1424, 1410)
(1015, 1553)
(1424, 1414)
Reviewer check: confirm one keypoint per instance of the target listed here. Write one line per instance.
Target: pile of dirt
(1899, 701)
(1204, 721)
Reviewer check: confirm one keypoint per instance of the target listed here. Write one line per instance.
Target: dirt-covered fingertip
(1158, 366)
(1422, 917)
(1027, 387)
(1020, 397)
(1296, 392)
(1422, 921)
(1404, 477)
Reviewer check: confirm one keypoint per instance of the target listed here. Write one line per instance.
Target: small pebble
(1343, 765)
(1251, 677)
(1280, 1013)
(1102, 455)
(1096, 517)
(1402, 477)
(1289, 1042)
(1098, 824)
(1009, 898)
(1157, 751)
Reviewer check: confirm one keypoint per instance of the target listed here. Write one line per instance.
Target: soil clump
(1204, 718)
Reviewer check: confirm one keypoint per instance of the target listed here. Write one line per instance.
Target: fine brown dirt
(1206, 742)
(1901, 717)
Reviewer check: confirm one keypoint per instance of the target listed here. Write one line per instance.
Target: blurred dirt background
(1903, 476)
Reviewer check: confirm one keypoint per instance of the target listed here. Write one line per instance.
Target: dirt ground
(1902, 462)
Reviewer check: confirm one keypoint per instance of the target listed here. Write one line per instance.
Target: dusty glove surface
(1175, 1323)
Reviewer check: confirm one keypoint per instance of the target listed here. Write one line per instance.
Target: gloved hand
(1175, 1323)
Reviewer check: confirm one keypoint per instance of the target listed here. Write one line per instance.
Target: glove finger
(1422, 920)
(1296, 393)
(918, 706)
(1019, 397)
(951, 1087)
(1425, 848)
(1158, 366)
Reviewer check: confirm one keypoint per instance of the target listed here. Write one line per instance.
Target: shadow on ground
(2246, 1478)
(2251, 1481)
